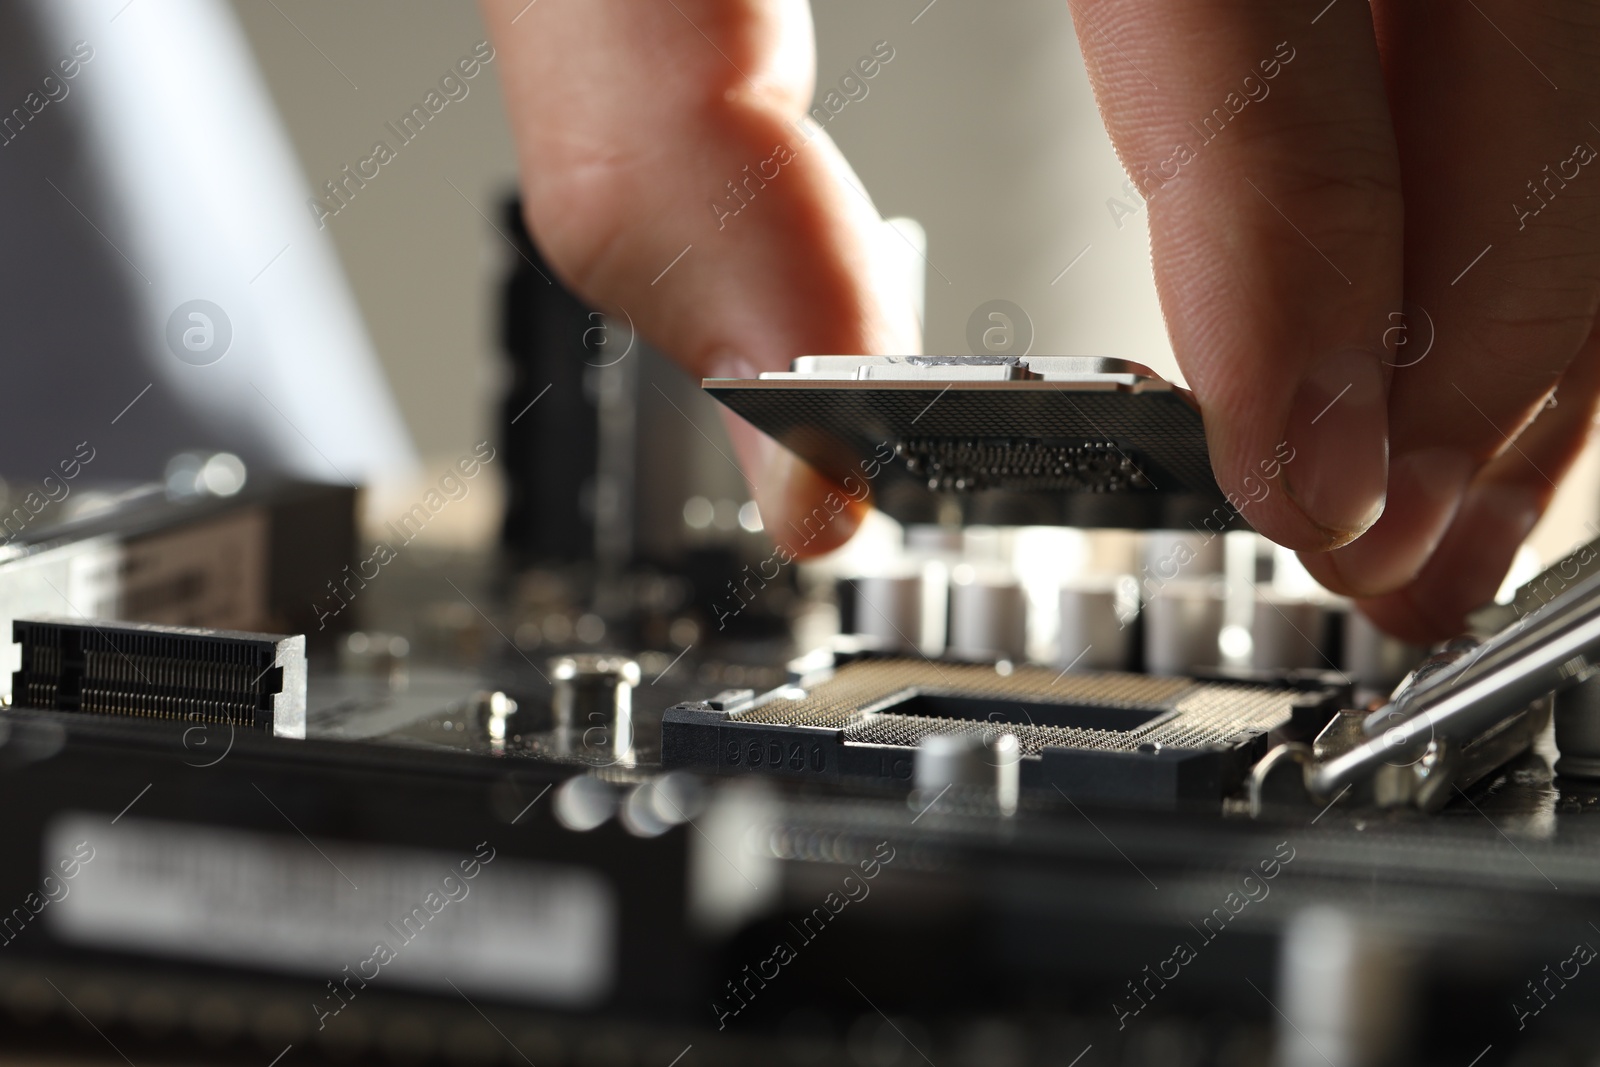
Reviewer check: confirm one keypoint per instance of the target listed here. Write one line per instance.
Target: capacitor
(1169, 556)
(1284, 633)
(1111, 551)
(1577, 716)
(1182, 620)
(1344, 990)
(933, 542)
(1095, 634)
(967, 766)
(889, 610)
(592, 707)
(988, 617)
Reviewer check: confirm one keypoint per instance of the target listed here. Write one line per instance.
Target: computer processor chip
(1012, 440)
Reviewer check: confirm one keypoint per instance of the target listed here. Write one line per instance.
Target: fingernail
(1425, 491)
(1339, 430)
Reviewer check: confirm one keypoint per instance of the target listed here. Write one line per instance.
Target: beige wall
(422, 262)
(983, 127)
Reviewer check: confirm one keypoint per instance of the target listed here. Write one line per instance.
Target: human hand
(1313, 170)
(631, 120)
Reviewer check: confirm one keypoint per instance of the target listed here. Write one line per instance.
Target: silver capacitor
(1169, 556)
(592, 706)
(933, 542)
(889, 610)
(988, 618)
(1094, 631)
(1182, 621)
(1343, 991)
(1577, 716)
(1285, 633)
(1112, 551)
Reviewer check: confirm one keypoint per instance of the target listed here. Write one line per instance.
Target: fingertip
(1467, 568)
(1320, 482)
(1395, 614)
(1320, 566)
(1254, 480)
(805, 512)
(1338, 427)
(1425, 493)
